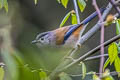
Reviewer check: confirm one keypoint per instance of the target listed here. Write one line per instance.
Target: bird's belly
(71, 41)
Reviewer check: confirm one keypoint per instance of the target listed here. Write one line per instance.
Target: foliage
(18, 69)
(1, 73)
(35, 1)
(73, 18)
(83, 70)
(64, 76)
(64, 3)
(113, 51)
(65, 19)
(81, 4)
(4, 4)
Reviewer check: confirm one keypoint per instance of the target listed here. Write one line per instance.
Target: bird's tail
(93, 15)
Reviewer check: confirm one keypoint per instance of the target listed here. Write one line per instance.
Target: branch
(82, 40)
(114, 73)
(91, 52)
(95, 57)
(76, 11)
(102, 36)
(90, 33)
(96, 27)
(115, 6)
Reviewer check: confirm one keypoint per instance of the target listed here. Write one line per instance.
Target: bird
(63, 36)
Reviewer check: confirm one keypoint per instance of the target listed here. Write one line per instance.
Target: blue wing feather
(74, 27)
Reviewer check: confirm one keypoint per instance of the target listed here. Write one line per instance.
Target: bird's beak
(34, 41)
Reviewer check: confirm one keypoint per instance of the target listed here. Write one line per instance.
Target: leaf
(106, 75)
(108, 78)
(64, 3)
(1, 73)
(65, 19)
(106, 63)
(81, 4)
(83, 70)
(117, 65)
(74, 18)
(43, 76)
(6, 5)
(64, 76)
(1, 4)
(118, 26)
(95, 77)
(59, 1)
(35, 1)
(118, 49)
(10, 63)
(113, 52)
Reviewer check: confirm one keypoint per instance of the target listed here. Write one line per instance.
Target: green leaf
(74, 18)
(59, 1)
(35, 1)
(64, 76)
(81, 4)
(117, 65)
(106, 75)
(118, 26)
(1, 73)
(6, 5)
(106, 63)
(65, 19)
(95, 77)
(113, 52)
(10, 63)
(83, 70)
(118, 49)
(108, 78)
(43, 75)
(1, 4)
(64, 3)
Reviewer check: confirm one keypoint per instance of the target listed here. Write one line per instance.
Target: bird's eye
(42, 39)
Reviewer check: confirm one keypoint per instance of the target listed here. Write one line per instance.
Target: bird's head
(45, 38)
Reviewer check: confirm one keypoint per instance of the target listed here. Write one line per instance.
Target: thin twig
(95, 57)
(76, 11)
(78, 21)
(102, 36)
(115, 6)
(96, 27)
(91, 52)
(91, 73)
(61, 66)
(77, 45)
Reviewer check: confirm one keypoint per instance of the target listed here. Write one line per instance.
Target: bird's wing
(60, 33)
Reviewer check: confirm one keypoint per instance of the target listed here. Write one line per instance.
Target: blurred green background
(20, 26)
